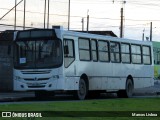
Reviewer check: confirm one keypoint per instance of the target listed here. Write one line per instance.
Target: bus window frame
(137, 54)
(130, 56)
(104, 51)
(115, 52)
(84, 49)
(95, 40)
(64, 39)
(150, 54)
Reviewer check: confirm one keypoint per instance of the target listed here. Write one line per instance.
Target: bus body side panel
(114, 78)
(71, 83)
(107, 75)
(71, 78)
(140, 81)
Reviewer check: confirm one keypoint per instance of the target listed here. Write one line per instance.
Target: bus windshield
(30, 54)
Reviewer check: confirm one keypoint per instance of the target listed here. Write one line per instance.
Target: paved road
(29, 96)
(154, 90)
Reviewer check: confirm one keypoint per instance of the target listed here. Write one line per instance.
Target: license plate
(34, 84)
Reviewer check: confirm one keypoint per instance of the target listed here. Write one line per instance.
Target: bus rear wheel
(127, 93)
(129, 88)
(82, 92)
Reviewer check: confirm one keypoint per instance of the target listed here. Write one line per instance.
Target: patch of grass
(133, 104)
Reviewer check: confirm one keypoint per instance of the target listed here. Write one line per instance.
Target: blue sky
(104, 15)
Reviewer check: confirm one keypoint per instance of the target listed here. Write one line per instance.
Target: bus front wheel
(127, 93)
(82, 92)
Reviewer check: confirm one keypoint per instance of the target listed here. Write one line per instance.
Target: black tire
(83, 90)
(128, 92)
(129, 88)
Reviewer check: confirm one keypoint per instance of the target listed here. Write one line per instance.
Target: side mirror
(66, 49)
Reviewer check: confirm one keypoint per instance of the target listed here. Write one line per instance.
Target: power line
(85, 2)
(10, 10)
(84, 17)
(16, 26)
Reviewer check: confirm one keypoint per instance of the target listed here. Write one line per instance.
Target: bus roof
(95, 36)
(105, 37)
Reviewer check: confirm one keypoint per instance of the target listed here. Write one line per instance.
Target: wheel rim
(129, 89)
(82, 89)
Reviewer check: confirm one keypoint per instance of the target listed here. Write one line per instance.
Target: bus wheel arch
(85, 77)
(129, 87)
(82, 92)
(131, 78)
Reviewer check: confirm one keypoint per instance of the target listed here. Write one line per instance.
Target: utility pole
(151, 31)
(48, 15)
(143, 34)
(82, 24)
(15, 15)
(45, 14)
(24, 15)
(69, 8)
(121, 25)
(122, 18)
(87, 21)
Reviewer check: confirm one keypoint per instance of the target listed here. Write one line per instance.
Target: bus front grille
(35, 79)
(36, 86)
(36, 72)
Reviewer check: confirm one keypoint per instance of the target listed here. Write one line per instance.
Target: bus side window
(125, 53)
(103, 51)
(69, 54)
(115, 52)
(136, 54)
(147, 55)
(84, 49)
(94, 50)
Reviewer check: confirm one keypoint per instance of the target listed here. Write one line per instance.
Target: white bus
(48, 60)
